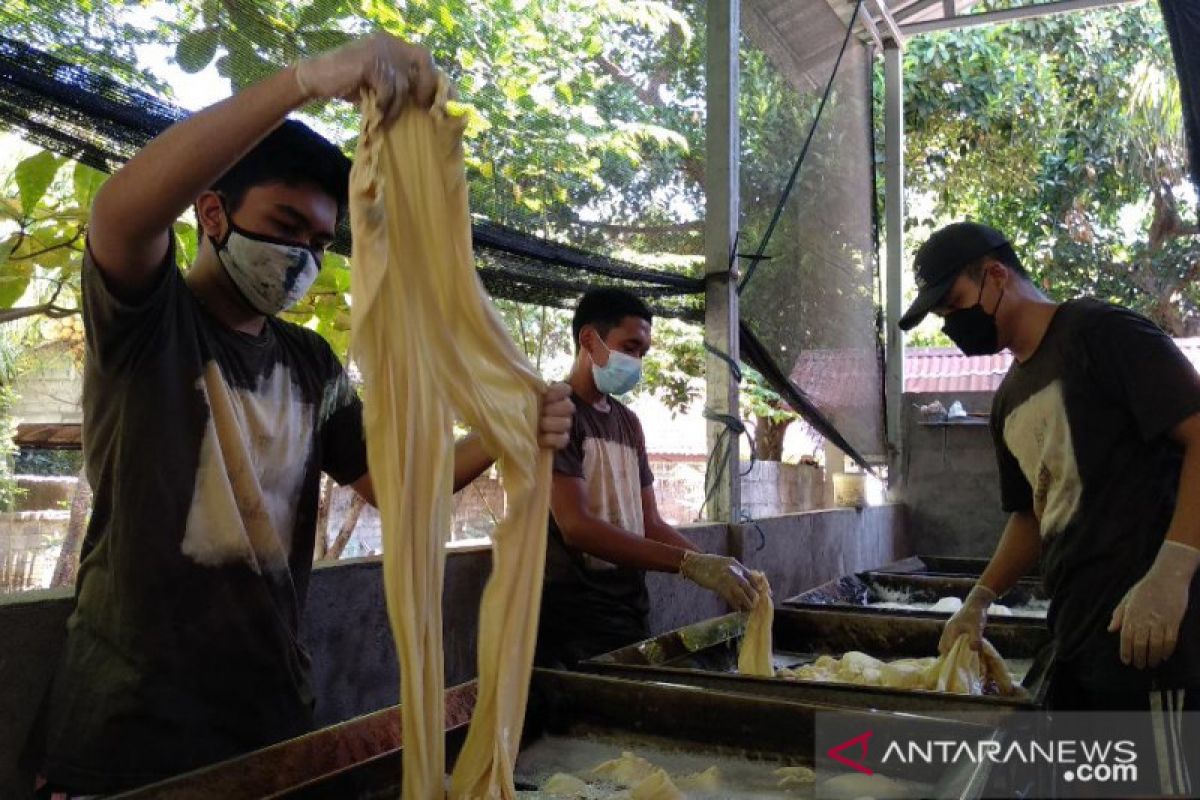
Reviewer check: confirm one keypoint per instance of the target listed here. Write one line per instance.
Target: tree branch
(692, 166)
(645, 94)
(349, 523)
(49, 249)
(49, 309)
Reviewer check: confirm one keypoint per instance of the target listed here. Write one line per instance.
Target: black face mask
(973, 329)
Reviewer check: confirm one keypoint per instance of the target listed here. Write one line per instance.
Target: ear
(997, 272)
(211, 215)
(587, 338)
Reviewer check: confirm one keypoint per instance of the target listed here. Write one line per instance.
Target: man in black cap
(1097, 433)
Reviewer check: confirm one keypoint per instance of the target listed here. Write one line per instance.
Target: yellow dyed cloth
(960, 671)
(754, 655)
(432, 349)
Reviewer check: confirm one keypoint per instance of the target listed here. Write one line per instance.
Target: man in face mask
(209, 422)
(1097, 433)
(605, 529)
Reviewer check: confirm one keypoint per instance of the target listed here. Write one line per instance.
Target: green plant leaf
(196, 49)
(87, 182)
(320, 41)
(14, 280)
(319, 12)
(34, 176)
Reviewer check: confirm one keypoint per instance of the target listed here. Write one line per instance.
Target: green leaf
(196, 49)
(14, 277)
(87, 182)
(185, 241)
(34, 176)
(318, 13)
(447, 19)
(6, 249)
(320, 41)
(211, 11)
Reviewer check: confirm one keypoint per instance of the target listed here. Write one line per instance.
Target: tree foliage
(1066, 133)
(589, 129)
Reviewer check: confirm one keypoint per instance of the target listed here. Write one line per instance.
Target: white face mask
(619, 375)
(271, 275)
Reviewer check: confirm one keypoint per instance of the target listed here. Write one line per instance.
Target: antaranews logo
(859, 741)
(1084, 760)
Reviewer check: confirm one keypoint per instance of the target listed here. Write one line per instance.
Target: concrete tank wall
(346, 629)
(950, 481)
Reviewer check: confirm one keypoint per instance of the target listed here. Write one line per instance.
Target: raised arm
(133, 212)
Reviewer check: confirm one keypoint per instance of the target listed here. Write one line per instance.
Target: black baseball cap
(945, 254)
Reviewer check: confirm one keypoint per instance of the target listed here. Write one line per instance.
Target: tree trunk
(68, 558)
(325, 499)
(768, 438)
(347, 530)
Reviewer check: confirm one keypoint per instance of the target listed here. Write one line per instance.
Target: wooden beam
(49, 436)
(870, 27)
(1010, 15)
(893, 71)
(723, 481)
(912, 9)
(889, 22)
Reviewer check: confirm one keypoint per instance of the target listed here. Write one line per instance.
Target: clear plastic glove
(390, 67)
(968, 620)
(1149, 615)
(720, 574)
(554, 428)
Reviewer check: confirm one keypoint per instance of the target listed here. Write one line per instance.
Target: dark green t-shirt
(204, 447)
(1082, 432)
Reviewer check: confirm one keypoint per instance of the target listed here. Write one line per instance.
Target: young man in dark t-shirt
(1097, 434)
(605, 530)
(207, 424)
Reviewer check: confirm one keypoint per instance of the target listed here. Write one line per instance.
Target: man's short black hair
(1005, 255)
(605, 309)
(293, 154)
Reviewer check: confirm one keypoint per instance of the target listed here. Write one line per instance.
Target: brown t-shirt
(205, 448)
(590, 605)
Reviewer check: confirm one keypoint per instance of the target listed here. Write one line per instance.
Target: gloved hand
(720, 574)
(968, 620)
(554, 427)
(1151, 612)
(394, 69)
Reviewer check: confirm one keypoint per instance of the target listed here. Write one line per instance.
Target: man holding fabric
(1097, 434)
(208, 422)
(605, 529)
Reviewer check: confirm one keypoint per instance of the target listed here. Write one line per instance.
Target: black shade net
(100, 122)
(809, 295)
(1182, 18)
(809, 311)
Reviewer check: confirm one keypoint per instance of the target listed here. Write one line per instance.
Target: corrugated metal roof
(945, 369)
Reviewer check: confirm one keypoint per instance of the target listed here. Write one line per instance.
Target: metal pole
(893, 72)
(720, 234)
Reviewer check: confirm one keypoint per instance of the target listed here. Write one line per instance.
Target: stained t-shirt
(590, 605)
(204, 447)
(1082, 432)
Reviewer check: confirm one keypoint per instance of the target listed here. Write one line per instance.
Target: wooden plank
(49, 436)
(1010, 15)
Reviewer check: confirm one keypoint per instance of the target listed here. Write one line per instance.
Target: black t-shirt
(590, 605)
(204, 447)
(1082, 432)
